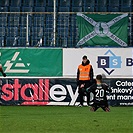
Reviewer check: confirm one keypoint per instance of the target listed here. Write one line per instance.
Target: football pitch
(64, 119)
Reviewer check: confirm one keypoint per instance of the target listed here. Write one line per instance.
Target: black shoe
(80, 105)
(4, 75)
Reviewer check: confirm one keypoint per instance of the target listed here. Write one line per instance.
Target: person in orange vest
(84, 79)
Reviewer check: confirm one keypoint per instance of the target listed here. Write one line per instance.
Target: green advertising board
(32, 62)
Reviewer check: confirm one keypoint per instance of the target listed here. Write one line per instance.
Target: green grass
(57, 119)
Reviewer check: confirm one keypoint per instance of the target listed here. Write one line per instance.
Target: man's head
(84, 58)
(99, 78)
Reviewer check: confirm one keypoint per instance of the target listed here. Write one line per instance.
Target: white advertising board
(111, 62)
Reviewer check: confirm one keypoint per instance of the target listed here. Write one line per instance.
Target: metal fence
(44, 29)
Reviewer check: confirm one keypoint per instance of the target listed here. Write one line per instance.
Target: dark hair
(84, 57)
(99, 77)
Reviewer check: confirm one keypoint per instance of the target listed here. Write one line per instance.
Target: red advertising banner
(58, 92)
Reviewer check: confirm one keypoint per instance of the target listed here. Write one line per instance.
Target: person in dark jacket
(100, 91)
(84, 79)
(1, 70)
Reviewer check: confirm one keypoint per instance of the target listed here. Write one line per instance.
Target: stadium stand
(13, 20)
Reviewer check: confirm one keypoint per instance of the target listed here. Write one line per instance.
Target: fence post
(54, 22)
(27, 30)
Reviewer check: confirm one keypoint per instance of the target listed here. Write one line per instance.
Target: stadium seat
(39, 9)
(48, 31)
(62, 41)
(63, 20)
(40, 3)
(13, 20)
(89, 9)
(39, 21)
(23, 20)
(16, 3)
(11, 41)
(4, 3)
(12, 31)
(27, 9)
(49, 21)
(22, 41)
(3, 9)
(114, 3)
(73, 20)
(2, 31)
(23, 31)
(101, 8)
(3, 20)
(126, 8)
(77, 3)
(49, 41)
(49, 9)
(37, 31)
(126, 2)
(114, 9)
(62, 31)
(77, 9)
(64, 9)
(50, 3)
(38, 41)
(126, 5)
(64, 3)
(2, 42)
(89, 3)
(114, 6)
(14, 9)
(71, 41)
(29, 3)
(101, 2)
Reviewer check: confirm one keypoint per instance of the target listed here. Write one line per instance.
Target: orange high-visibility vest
(84, 72)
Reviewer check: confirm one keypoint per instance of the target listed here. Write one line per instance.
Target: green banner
(32, 62)
(102, 29)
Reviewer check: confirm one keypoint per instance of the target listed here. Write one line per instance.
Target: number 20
(100, 93)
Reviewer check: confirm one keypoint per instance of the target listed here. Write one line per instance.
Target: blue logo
(109, 61)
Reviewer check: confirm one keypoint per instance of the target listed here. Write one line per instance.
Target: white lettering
(58, 95)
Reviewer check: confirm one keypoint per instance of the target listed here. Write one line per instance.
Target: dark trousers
(100, 104)
(82, 92)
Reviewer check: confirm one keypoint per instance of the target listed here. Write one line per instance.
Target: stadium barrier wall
(58, 91)
(52, 62)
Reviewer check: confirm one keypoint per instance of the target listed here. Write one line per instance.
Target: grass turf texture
(65, 119)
